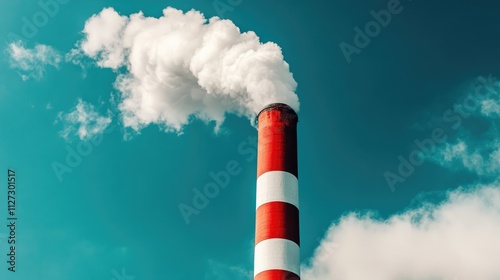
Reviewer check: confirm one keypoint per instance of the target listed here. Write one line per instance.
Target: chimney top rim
(277, 106)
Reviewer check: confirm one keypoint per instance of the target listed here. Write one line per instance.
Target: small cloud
(490, 107)
(478, 153)
(84, 121)
(483, 159)
(77, 57)
(49, 106)
(31, 63)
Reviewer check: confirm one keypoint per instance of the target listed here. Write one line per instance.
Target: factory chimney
(277, 254)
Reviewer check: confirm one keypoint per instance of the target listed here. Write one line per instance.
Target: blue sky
(117, 204)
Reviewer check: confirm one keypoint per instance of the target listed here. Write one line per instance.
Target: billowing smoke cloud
(182, 66)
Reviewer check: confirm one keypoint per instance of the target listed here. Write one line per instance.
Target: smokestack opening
(287, 113)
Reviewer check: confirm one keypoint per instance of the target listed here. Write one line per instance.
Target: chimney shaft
(277, 254)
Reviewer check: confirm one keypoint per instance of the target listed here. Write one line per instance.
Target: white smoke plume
(182, 66)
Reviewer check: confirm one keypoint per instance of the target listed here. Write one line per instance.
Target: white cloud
(490, 107)
(103, 40)
(483, 160)
(84, 121)
(182, 66)
(76, 57)
(479, 153)
(458, 238)
(31, 63)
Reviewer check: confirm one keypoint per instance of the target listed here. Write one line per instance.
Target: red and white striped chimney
(277, 254)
